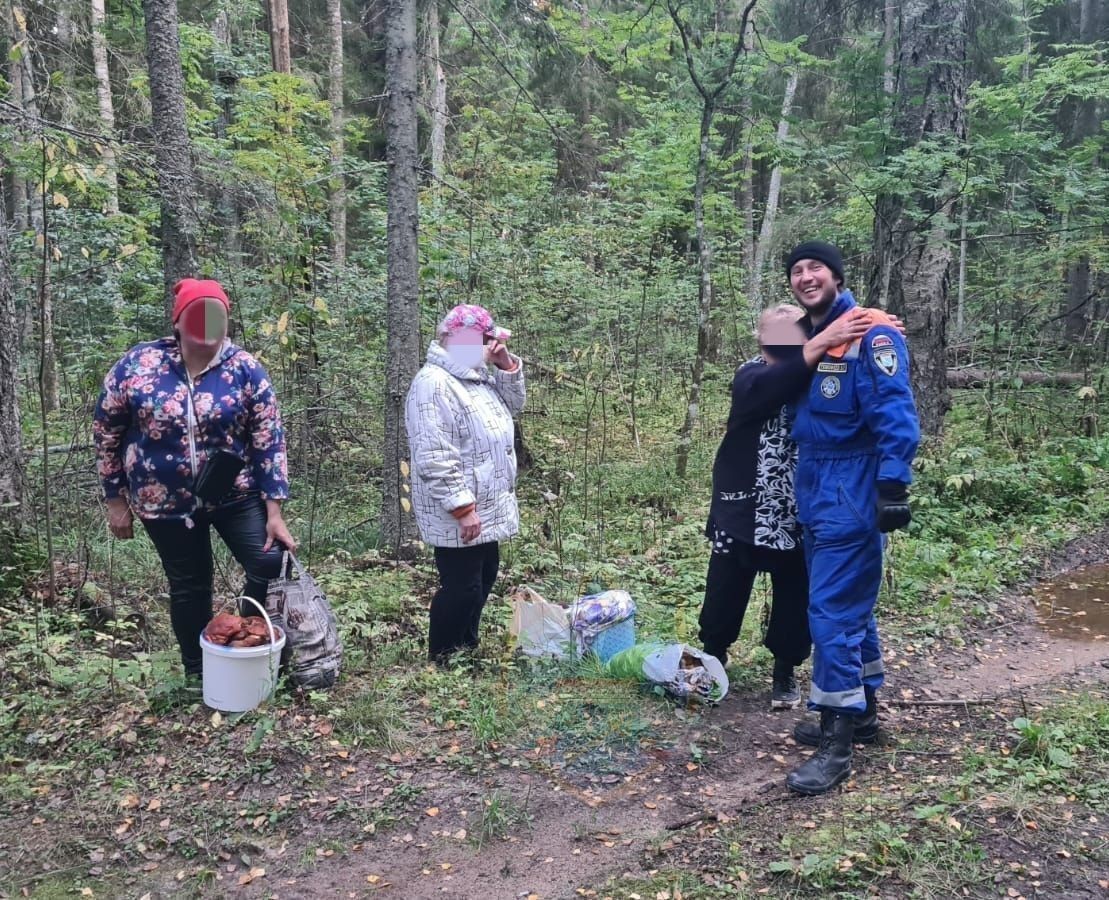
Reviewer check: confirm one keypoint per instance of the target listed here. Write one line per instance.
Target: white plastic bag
(682, 671)
(540, 628)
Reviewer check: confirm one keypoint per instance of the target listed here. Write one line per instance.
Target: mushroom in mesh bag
(684, 672)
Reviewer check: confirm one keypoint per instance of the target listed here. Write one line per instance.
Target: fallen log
(980, 378)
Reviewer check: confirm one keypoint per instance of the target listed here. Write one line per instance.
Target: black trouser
(186, 555)
(466, 576)
(731, 575)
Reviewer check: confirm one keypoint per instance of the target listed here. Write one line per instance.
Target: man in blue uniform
(856, 430)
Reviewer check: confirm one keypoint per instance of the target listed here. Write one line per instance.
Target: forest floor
(501, 779)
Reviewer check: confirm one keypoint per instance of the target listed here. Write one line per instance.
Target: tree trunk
(438, 81)
(748, 196)
(770, 213)
(709, 97)
(338, 198)
(48, 351)
(227, 197)
(176, 186)
(65, 38)
(746, 114)
(280, 50)
(20, 190)
(913, 260)
(11, 450)
(37, 214)
(981, 378)
(704, 293)
(1078, 295)
(960, 303)
(107, 109)
(402, 284)
(889, 42)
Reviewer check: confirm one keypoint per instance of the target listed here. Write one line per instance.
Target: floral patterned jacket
(145, 447)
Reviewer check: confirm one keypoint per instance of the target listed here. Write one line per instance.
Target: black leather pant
(186, 555)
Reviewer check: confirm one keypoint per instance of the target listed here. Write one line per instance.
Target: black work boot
(783, 691)
(866, 726)
(831, 763)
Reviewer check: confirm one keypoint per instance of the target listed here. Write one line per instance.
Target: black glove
(893, 506)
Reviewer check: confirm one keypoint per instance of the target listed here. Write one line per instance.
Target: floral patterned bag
(313, 652)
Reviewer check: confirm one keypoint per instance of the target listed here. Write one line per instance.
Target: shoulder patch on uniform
(881, 340)
(885, 358)
(829, 387)
(838, 367)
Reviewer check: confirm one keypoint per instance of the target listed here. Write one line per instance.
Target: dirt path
(326, 818)
(582, 835)
(577, 834)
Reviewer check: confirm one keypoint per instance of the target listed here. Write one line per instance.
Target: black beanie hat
(818, 250)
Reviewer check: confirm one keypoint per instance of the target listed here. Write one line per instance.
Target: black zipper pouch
(217, 478)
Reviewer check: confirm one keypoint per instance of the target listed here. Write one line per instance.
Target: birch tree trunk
(338, 194)
(438, 82)
(176, 185)
(402, 284)
(105, 106)
(11, 450)
(914, 259)
(770, 213)
(280, 50)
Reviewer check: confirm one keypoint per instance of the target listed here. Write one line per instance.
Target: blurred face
(203, 325)
(814, 285)
(780, 338)
(466, 346)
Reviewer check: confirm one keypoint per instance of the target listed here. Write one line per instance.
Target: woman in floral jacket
(168, 406)
(460, 432)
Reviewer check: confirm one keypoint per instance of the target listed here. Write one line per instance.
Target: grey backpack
(313, 651)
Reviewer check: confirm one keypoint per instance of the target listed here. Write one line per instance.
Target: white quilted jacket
(460, 435)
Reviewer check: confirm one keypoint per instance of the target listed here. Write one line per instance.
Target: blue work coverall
(855, 426)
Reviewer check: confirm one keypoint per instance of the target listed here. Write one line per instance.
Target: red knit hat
(189, 290)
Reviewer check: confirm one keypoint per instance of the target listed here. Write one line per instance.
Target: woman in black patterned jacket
(753, 515)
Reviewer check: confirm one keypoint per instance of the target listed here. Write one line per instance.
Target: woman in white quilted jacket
(460, 433)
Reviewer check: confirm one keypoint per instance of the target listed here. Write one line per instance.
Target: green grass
(501, 815)
(936, 831)
(81, 697)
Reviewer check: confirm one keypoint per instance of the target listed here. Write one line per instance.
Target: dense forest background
(618, 183)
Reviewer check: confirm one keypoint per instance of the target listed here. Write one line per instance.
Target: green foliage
(501, 816)
(985, 509)
(20, 560)
(1063, 752)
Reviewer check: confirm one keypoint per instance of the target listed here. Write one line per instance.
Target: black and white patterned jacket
(752, 478)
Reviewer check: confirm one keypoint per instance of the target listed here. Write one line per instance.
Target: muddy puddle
(1076, 605)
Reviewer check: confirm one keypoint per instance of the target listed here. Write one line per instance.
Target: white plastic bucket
(238, 679)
